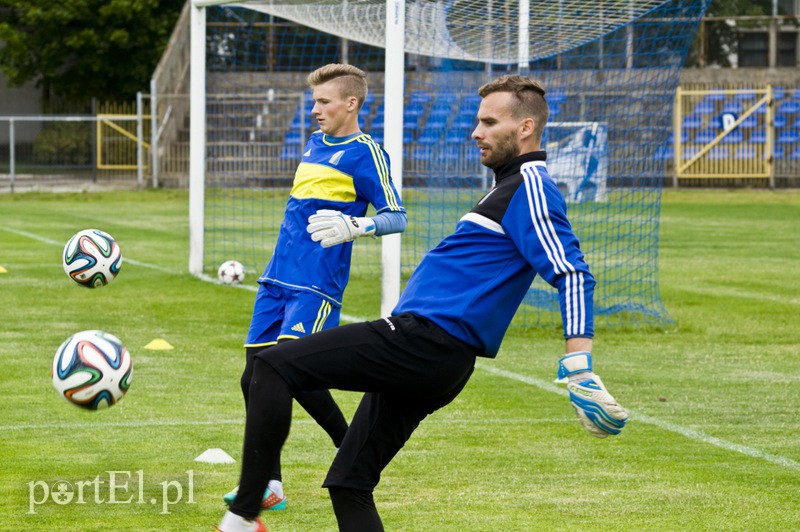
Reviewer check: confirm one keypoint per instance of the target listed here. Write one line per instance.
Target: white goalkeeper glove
(596, 408)
(330, 228)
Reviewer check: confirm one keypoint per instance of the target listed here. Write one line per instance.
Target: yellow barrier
(119, 145)
(723, 133)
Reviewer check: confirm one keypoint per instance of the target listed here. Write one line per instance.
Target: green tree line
(77, 50)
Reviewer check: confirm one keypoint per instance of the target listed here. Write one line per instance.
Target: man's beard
(505, 150)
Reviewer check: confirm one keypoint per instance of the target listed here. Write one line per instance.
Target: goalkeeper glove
(596, 409)
(330, 228)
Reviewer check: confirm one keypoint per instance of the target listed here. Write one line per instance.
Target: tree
(81, 49)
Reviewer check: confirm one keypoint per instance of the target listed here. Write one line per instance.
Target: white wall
(16, 101)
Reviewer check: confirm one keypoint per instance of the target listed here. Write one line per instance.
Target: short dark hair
(529, 95)
(352, 80)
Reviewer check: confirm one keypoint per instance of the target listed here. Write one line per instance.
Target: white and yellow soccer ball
(231, 272)
(92, 369)
(92, 258)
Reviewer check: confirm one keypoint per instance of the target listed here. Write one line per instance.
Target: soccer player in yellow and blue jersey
(342, 172)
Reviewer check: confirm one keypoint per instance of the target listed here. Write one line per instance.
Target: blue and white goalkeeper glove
(596, 408)
(330, 228)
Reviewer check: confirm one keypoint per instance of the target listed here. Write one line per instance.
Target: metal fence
(110, 146)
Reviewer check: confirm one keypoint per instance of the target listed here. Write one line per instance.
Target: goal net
(610, 69)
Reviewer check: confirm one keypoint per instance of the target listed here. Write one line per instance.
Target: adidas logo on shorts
(298, 327)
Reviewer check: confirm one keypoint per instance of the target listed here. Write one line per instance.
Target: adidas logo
(308, 153)
(336, 157)
(298, 327)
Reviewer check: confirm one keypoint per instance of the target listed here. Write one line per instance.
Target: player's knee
(247, 374)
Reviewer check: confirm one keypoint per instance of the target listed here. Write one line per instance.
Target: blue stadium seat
(414, 109)
(441, 108)
(292, 137)
(706, 135)
(758, 136)
(789, 106)
(796, 124)
(456, 135)
(423, 152)
(451, 152)
(734, 137)
(795, 155)
(778, 93)
(469, 105)
(290, 152)
(463, 121)
(411, 122)
(716, 97)
(555, 98)
(780, 151)
(788, 136)
(734, 107)
(705, 107)
(779, 121)
(436, 121)
(692, 121)
(448, 98)
(419, 97)
(749, 122)
(430, 136)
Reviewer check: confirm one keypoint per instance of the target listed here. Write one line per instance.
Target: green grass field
(712, 442)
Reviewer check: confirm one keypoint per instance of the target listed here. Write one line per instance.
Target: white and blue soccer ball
(231, 272)
(92, 369)
(92, 258)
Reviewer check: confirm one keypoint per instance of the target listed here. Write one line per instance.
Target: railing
(107, 146)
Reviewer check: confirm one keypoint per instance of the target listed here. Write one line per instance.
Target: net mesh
(610, 69)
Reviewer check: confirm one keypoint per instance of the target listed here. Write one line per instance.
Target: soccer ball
(92, 369)
(231, 272)
(92, 258)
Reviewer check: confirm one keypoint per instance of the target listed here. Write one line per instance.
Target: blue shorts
(283, 314)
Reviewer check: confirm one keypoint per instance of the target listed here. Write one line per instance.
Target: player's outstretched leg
(274, 498)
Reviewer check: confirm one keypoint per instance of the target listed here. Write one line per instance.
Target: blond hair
(351, 80)
(528, 102)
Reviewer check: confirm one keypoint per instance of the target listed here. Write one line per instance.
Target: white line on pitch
(46, 240)
(666, 425)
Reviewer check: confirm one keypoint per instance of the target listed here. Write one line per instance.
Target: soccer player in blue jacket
(342, 172)
(418, 359)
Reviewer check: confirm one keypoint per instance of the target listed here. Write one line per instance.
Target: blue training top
(340, 173)
(472, 283)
